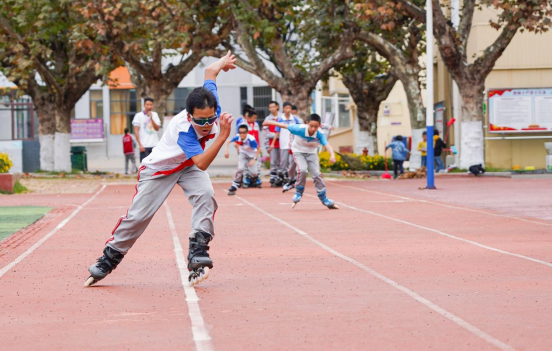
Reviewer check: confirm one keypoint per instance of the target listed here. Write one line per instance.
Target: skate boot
(258, 182)
(273, 176)
(290, 185)
(246, 182)
(199, 262)
(104, 265)
(232, 190)
(298, 195)
(327, 202)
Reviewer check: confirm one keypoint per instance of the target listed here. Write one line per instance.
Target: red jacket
(128, 148)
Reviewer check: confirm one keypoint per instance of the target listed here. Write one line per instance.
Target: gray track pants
(152, 190)
(287, 164)
(311, 163)
(274, 161)
(243, 165)
(130, 158)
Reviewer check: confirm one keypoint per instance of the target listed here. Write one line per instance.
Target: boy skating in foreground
(305, 152)
(249, 151)
(179, 158)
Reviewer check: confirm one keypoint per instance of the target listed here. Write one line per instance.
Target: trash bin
(78, 158)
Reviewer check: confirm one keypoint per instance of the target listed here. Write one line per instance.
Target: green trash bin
(78, 158)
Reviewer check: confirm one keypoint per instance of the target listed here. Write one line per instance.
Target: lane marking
(47, 236)
(455, 319)
(490, 248)
(445, 205)
(199, 329)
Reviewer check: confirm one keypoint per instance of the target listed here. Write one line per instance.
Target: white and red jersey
(178, 145)
(180, 142)
(252, 128)
(270, 132)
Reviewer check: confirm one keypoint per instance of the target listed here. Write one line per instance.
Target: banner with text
(87, 130)
(520, 110)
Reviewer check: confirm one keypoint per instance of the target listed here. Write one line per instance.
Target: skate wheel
(333, 207)
(205, 272)
(90, 281)
(293, 205)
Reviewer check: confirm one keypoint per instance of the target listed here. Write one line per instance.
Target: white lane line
(455, 319)
(47, 236)
(490, 248)
(445, 205)
(199, 329)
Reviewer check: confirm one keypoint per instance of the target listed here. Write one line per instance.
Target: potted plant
(7, 180)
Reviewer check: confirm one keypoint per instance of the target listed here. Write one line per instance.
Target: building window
(17, 117)
(123, 105)
(176, 102)
(343, 113)
(335, 110)
(243, 97)
(96, 104)
(261, 97)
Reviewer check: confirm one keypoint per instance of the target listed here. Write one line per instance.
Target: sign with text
(520, 110)
(87, 130)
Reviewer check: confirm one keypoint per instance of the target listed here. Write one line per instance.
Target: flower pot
(7, 182)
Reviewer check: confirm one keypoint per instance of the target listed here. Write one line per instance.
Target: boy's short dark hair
(246, 108)
(293, 107)
(435, 132)
(273, 102)
(243, 126)
(424, 133)
(126, 130)
(200, 98)
(253, 112)
(314, 117)
(287, 103)
(148, 99)
(398, 138)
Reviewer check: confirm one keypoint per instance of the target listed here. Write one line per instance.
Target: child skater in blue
(305, 152)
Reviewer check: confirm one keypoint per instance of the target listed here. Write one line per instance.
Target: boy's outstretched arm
(225, 64)
(202, 161)
(331, 151)
(274, 123)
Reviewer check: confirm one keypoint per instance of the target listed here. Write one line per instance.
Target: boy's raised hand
(228, 62)
(225, 122)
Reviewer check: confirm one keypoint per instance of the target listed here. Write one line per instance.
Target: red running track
(394, 268)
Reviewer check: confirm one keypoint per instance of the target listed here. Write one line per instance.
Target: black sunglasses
(204, 121)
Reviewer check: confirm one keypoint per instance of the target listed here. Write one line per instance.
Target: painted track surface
(394, 268)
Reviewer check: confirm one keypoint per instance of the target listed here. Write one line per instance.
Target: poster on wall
(520, 110)
(87, 130)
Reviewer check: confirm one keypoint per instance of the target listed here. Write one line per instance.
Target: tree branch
(465, 25)
(413, 10)
(485, 63)
(260, 68)
(40, 66)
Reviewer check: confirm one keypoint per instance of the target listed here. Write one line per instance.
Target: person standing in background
(146, 124)
(128, 150)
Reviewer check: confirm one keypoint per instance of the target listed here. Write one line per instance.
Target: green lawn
(17, 217)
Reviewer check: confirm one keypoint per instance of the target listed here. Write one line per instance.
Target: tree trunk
(300, 98)
(160, 102)
(367, 116)
(62, 149)
(472, 136)
(46, 135)
(414, 100)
